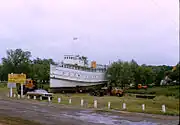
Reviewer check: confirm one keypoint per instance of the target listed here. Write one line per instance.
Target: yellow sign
(17, 78)
(174, 68)
(93, 64)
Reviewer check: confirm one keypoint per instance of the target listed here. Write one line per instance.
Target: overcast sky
(107, 30)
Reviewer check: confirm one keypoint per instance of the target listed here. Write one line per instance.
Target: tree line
(19, 61)
(123, 73)
(120, 73)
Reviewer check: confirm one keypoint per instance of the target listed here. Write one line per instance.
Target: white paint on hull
(65, 83)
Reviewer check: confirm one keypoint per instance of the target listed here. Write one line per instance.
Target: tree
(40, 69)
(123, 73)
(175, 74)
(143, 75)
(119, 74)
(134, 68)
(1, 72)
(85, 60)
(17, 61)
(149, 75)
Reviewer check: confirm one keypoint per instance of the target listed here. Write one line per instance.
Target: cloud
(146, 30)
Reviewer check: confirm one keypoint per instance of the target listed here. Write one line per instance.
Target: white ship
(74, 71)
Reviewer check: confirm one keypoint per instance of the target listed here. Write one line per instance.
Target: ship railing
(89, 69)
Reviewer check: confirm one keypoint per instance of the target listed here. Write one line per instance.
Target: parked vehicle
(40, 93)
(142, 87)
(117, 92)
(107, 91)
(29, 86)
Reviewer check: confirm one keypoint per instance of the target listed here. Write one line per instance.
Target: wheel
(118, 94)
(101, 94)
(98, 94)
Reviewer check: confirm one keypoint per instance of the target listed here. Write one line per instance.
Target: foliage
(85, 60)
(175, 75)
(119, 74)
(125, 73)
(18, 61)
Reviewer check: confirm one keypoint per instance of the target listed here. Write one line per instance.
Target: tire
(98, 94)
(119, 94)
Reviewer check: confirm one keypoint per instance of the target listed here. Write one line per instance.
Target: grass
(158, 91)
(6, 120)
(133, 104)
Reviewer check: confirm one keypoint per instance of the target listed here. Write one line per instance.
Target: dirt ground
(55, 114)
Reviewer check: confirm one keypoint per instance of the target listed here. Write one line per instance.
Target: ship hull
(63, 85)
(70, 79)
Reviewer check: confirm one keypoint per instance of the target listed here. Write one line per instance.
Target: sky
(106, 30)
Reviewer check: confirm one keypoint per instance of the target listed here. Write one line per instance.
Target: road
(54, 114)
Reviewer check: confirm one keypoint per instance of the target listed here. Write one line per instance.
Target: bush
(3, 85)
(177, 96)
(46, 87)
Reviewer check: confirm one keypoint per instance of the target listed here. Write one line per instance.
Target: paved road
(53, 114)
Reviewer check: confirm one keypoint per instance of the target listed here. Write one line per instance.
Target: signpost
(11, 86)
(16, 78)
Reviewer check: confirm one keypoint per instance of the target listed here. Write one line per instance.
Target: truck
(30, 85)
(107, 91)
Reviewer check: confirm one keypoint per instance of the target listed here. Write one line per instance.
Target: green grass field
(133, 104)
